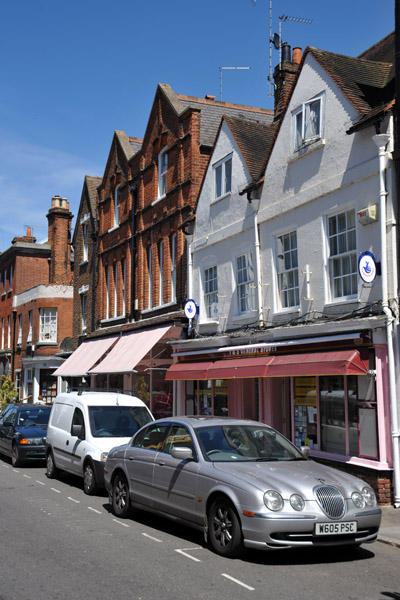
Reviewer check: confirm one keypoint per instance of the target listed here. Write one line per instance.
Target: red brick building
(36, 305)
(149, 191)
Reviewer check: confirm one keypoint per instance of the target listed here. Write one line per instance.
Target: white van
(84, 426)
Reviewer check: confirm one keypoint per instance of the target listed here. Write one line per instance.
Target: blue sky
(74, 71)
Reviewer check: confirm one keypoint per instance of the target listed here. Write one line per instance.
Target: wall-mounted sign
(367, 267)
(190, 309)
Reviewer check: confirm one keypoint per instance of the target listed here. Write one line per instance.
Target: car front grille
(330, 500)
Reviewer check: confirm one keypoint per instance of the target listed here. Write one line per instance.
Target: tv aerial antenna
(220, 76)
(276, 41)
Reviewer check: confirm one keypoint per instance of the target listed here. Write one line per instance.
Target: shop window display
(207, 398)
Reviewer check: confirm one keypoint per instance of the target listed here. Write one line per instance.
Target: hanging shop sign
(367, 267)
(190, 309)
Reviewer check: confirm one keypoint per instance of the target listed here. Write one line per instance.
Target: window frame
(19, 339)
(160, 250)
(172, 249)
(302, 110)
(162, 173)
(220, 167)
(207, 294)
(249, 284)
(149, 254)
(350, 254)
(280, 273)
(49, 329)
(117, 205)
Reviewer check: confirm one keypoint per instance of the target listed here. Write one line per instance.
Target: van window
(61, 416)
(79, 420)
(117, 421)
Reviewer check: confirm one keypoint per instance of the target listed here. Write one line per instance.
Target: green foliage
(8, 392)
(142, 391)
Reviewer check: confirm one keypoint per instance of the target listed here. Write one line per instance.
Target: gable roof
(212, 112)
(364, 82)
(92, 183)
(254, 141)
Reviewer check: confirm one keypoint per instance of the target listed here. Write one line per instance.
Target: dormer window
(307, 122)
(162, 173)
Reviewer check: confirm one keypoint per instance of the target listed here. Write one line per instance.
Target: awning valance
(339, 362)
(130, 349)
(85, 357)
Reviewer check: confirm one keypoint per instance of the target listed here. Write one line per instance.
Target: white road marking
(6, 466)
(121, 523)
(188, 555)
(95, 510)
(28, 476)
(15, 470)
(73, 500)
(40, 482)
(54, 490)
(152, 538)
(238, 582)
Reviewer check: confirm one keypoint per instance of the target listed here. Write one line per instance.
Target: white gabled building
(317, 358)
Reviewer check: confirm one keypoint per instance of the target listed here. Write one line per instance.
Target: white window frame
(108, 269)
(172, 246)
(84, 312)
(85, 233)
(210, 292)
(302, 112)
(29, 338)
(286, 270)
(19, 340)
(5, 282)
(161, 272)
(117, 206)
(48, 325)
(150, 277)
(224, 187)
(11, 278)
(2, 332)
(115, 281)
(245, 288)
(344, 245)
(162, 173)
(9, 332)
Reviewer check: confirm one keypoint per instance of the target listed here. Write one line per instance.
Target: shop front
(331, 395)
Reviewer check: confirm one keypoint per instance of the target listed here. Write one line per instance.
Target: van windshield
(117, 421)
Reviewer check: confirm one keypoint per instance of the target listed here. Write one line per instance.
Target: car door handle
(161, 463)
(131, 458)
(67, 443)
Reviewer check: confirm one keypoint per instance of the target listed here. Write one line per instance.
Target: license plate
(336, 528)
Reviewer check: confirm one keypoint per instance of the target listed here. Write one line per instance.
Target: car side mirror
(305, 451)
(181, 453)
(77, 430)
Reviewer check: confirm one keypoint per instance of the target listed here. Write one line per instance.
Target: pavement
(389, 532)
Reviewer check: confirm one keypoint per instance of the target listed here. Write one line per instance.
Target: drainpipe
(381, 141)
(255, 202)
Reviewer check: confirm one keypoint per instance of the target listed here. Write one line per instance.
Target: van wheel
(51, 470)
(89, 479)
(120, 497)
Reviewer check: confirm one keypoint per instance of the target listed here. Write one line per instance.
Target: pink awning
(188, 371)
(339, 362)
(85, 357)
(129, 350)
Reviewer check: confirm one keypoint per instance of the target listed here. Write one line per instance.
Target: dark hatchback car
(23, 431)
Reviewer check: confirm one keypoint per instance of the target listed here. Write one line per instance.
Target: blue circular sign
(190, 309)
(367, 267)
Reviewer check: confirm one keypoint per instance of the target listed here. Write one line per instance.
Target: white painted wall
(301, 190)
(223, 229)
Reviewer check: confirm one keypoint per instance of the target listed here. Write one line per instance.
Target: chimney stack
(28, 238)
(284, 78)
(60, 218)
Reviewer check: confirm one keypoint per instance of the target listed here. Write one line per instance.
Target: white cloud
(30, 175)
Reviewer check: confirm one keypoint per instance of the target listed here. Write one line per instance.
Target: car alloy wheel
(120, 497)
(15, 460)
(224, 529)
(89, 480)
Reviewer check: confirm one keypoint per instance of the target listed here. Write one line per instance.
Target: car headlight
(28, 441)
(297, 502)
(273, 500)
(358, 499)
(103, 457)
(369, 496)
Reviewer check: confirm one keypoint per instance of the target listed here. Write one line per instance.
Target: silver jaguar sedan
(242, 483)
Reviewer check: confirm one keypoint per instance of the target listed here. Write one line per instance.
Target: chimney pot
(297, 55)
(209, 97)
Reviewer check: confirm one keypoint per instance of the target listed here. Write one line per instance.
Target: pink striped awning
(85, 357)
(130, 349)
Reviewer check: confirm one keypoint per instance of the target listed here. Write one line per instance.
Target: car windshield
(117, 421)
(232, 443)
(33, 416)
